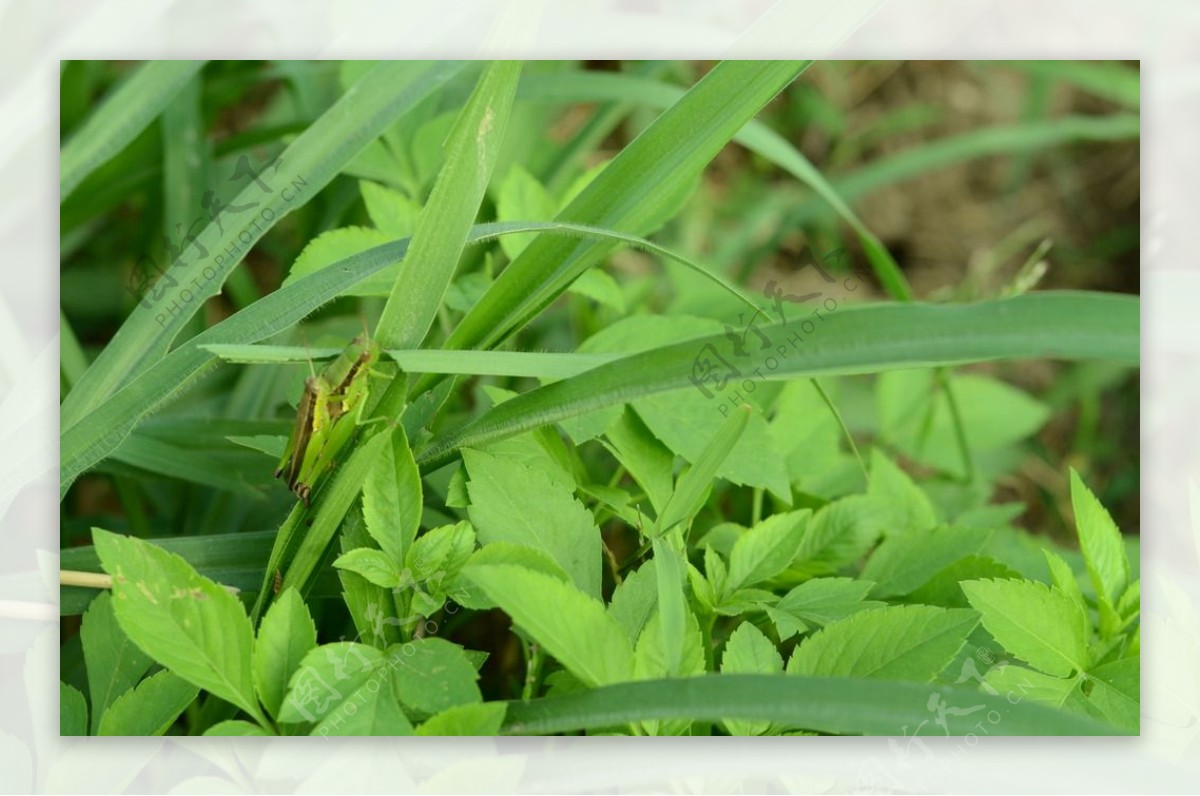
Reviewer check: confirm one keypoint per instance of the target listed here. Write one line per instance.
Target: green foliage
(596, 481)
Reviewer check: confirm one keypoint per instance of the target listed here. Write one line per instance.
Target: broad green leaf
(943, 588)
(431, 674)
(514, 503)
(285, 636)
(1100, 542)
(1040, 625)
(336, 245)
(900, 642)
(522, 197)
(237, 728)
(189, 624)
(374, 565)
(391, 211)
(820, 602)
(648, 461)
(1116, 692)
(748, 651)
(1051, 324)
(906, 561)
(150, 708)
(444, 225)
(114, 662)
(1015, 683)
(328, 679)
(910, 507)
(477, 719)
(470, 596)
(634, 600)
(307, 165)
(855, 706)
(572, 626)
(125, 112)
(369, 605)
(767, 549)
(839, 534)
(915, 416)
(72, 711)
(434, 562)
(371, 709)
(393, 500)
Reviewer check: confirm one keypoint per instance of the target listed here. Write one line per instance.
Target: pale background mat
(34, 35)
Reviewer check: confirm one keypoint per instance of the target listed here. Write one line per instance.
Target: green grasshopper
(329, 411)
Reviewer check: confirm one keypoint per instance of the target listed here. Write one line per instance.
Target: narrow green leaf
(900, 642)
(647, 173)
(444, 224)
(184, 621)
(285, 636)
(125, 112)
(150, 708)
(311, 162)
(672, 612)
(1040, 625)
(692, 487)
(1052, 324)
(852, 706)
(572, 626)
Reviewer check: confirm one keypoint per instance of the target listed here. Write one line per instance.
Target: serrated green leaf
(522, 198)
(839, 534)
(150, 708)
(1040, 625)
(285, 636)
(634, 600)
(237, 728)
(431, 674)
(184, 621)
(336, 245)
(943, 588)
(766, 549)
(1116, 692)
(514, 503)
(391, 211)
(468, 595)
(371, 709)
(906, 561)
(484, 718)
(72, 711)
(692, 487)
(819, 602)
(909, 506)
(900, 642)
(392, 498)
(748, 651)
(374, 565)
(572, 626)
(1015, 683)
(327, 680)
(648, 461)
(114, 662)
(1100, 541)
